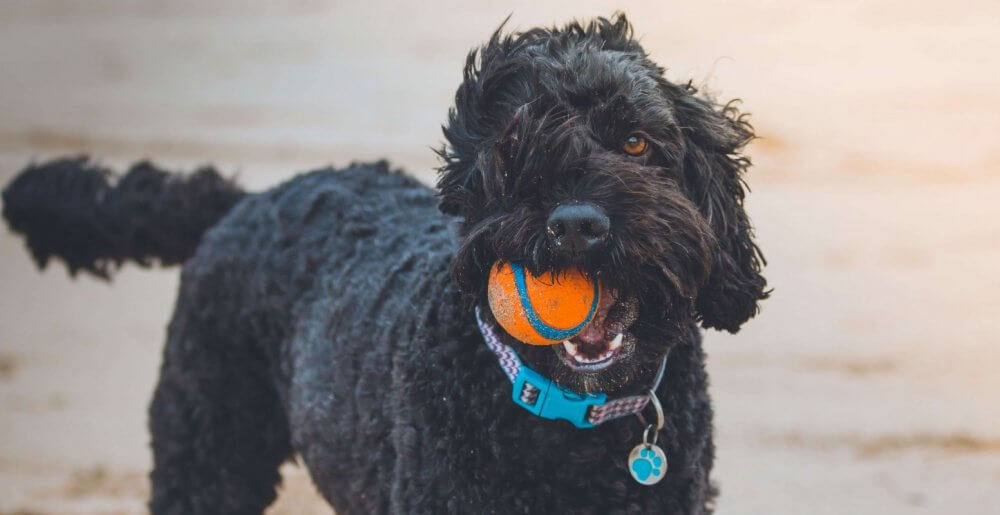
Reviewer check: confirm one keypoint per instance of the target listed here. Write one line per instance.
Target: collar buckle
(543, 397)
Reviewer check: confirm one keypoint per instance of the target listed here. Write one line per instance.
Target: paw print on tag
(647, 464)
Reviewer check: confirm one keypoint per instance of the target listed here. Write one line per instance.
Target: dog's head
(567, 147)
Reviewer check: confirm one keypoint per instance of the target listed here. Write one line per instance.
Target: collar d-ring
(653, 399)
(659, 410)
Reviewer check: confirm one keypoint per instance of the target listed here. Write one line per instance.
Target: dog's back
(286, 321)
(311, 276)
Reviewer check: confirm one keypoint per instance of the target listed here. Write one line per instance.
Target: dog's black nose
(578, 228)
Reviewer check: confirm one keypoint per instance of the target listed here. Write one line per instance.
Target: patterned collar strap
(543, 397)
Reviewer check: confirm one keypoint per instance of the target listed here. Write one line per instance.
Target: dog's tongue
(595, 333)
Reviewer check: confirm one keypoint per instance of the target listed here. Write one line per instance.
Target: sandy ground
(868, 384)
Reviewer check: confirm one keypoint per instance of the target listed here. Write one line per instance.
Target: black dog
(334, 317)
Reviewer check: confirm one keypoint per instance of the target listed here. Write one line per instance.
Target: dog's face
(567, 147)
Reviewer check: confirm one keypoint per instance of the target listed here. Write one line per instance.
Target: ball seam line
(547, 332)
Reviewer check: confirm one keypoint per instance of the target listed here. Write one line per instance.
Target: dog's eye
(635, 145)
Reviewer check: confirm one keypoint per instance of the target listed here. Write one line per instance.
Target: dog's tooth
(617, 341)
(570, 347)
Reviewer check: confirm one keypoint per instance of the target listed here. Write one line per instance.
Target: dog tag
(647, 463)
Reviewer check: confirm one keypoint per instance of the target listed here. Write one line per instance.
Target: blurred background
(870, 381)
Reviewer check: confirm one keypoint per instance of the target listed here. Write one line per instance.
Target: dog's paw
(648, 464)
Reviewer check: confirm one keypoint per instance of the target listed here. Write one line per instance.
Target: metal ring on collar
(652, 394)
(659, 410)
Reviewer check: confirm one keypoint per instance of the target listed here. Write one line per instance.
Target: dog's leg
(219, 430)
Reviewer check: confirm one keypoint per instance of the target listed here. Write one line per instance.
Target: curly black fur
(70, 209)
(331, 316)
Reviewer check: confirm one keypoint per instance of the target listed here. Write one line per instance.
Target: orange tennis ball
(544, 309)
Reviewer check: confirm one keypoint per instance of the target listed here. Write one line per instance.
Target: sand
(869, 382)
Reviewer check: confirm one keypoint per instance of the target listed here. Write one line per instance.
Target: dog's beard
(600, 358)
(617, 353)
(647, 308)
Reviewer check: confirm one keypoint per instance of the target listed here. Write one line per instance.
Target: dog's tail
(75, 209)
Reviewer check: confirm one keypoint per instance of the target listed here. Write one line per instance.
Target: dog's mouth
(605, 339)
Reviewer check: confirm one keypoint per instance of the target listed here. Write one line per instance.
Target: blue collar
(546, 399)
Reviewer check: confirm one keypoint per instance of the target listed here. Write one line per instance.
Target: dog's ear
(458, 183)
(714, 136)
(479, 102)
